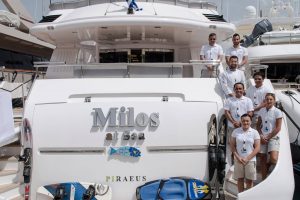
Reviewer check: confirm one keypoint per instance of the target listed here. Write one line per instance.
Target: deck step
(10, 150)
(8, 163)
(7, 172)
(10, 191)
(229, 196)
(19, 197)
(7, 187)
(9, 176)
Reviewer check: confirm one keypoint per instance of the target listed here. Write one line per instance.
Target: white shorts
(273, 145)
(244, 171)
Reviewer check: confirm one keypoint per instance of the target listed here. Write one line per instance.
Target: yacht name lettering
(123, 117)
(125, 178)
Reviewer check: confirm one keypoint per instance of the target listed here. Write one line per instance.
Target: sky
(232, 10)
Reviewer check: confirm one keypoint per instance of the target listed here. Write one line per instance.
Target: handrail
(285, 85)
(166, 64)
(259, 67)
(16, 87)
(279, 105)
(200, 64)
(21, 71)
(27, 76)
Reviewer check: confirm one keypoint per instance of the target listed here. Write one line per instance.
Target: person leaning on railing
(211, 51)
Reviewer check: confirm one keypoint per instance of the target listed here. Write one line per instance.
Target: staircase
(230, 184)
(11, 187)
(11, 179)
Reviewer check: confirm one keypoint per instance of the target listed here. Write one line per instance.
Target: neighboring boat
(19, 50)
(133, 83)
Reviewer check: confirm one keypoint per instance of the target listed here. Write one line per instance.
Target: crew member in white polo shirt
(212, 51)
(268, 125)
(245, 144)
(237, 50)
(257, 94)
(231, 76)
(234, 108)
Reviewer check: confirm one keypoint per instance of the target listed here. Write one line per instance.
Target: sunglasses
(270, 94)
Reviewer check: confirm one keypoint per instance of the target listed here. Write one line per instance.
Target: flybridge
(124, 117)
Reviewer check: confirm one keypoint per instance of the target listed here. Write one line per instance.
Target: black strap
(161, 185)
(290, 95)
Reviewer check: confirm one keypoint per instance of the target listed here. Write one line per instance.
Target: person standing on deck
(211, 51)
(231, 76)
(268, 126)
(245, 144)
(237, 50)
(257, 94)
(234, 108)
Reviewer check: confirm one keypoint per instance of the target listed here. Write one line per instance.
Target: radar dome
(250, 12)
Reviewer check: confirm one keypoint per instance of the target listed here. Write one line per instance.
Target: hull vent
(49, 18)
(218, 18)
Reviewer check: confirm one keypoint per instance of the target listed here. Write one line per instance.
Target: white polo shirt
(257, 95)
(228, 78)
(238, 107)
(240, 52)
(245, 141)
(211, 52)
(268, 119)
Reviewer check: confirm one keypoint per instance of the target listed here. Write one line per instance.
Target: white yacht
(117, 81)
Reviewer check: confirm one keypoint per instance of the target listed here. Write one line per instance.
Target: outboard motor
(259, 29)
